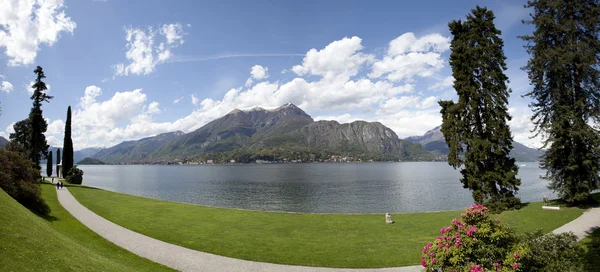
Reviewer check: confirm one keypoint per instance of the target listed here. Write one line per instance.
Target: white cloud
(195, 100)
(427, 102)
(340, 59)
(153, 108)
(173, 33)
(25, 24)
(177, 100)
(142, 53)
(258, 72)
(408, 43)
(90, 94)
(6, 86)
(443, 84)
(408, 57)
(521, 126)
(342, 119)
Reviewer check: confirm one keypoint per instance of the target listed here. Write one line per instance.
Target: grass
(58, 242)
(329, 240)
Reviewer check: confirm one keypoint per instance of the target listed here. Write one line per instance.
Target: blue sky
(132, 69)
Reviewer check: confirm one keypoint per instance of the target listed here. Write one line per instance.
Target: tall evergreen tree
(49, 164)
(67, 161)
(563, 70)
(22, 134)
(38, 145)
(57, 160)
(475, 127)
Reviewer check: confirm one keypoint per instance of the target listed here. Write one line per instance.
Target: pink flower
(424, 263)
(434, 261)
(496, 265)
(515, 265)
(458, 240)
(456, 244)
(517, 255)
(431, 254)
(441, 245)
(447, 245)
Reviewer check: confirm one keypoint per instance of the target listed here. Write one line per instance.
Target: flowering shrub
(476, 243)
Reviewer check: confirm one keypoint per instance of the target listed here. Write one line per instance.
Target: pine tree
(22, 135)
(57, 160)
(563, 70)
(475, 127)
(49, 164)
(38, 145)
(67, 161)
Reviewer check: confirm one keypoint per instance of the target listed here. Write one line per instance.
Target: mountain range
(434, 142)
(275, 134)
(3, 142)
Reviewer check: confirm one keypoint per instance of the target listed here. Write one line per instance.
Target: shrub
(479, 243)
(475, 243)
(75, 176)
(552, 252)
(20, 179)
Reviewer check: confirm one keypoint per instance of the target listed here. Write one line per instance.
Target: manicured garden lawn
(58, 242)
(330, 240)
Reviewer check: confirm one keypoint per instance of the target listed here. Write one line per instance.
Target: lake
(305, 187)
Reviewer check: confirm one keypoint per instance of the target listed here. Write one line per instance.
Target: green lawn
(58, 242)
(330, 240)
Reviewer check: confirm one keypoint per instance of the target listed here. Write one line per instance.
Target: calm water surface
(314, 188)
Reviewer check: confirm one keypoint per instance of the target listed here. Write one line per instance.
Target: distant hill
(135, 151)
(77, 155)
(433, 141)
(3, 142)
(258, 132)
(90, 161)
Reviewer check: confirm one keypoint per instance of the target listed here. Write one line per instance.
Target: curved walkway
(181, 258)
(583, 225)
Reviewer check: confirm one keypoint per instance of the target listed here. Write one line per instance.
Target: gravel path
(584, 225)
(181, 258)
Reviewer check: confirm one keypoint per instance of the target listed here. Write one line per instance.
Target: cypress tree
(563, 70)
(67, 162)
(475, 127)
(49, 164)
(57, 160)
(38, 145)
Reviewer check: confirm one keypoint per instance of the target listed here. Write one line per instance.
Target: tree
(49, 164)
(38, 145)
(563, 70)
(476, 125)
(67, 162)
(22, 135)
(57, 160)
(20, 179)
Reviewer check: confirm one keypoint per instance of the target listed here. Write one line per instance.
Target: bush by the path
(21, 180)
(75, 176)
(478, 243)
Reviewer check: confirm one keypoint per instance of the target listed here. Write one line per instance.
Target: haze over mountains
(259, 130)
(434, 142)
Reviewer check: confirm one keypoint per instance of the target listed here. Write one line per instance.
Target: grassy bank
(58, 242)
(330, 240)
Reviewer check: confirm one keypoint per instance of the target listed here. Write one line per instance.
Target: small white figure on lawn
(545, 200)
(388, 218)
